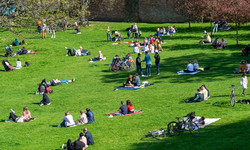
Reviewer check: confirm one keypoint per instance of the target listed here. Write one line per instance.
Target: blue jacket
(147, 59)
(90, 116)
(89, 137)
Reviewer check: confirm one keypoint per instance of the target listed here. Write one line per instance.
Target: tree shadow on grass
(211, 137)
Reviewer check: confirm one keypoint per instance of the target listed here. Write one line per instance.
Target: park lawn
(94, 86)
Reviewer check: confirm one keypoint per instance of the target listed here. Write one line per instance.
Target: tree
(29, 11)
(237, 12)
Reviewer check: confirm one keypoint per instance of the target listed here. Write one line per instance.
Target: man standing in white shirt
(68, 121)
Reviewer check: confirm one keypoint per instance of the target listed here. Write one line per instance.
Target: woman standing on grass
(243, 83)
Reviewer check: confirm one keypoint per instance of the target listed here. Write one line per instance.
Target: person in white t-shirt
(68, 121)
(190, 67)
(196, 65)
(18, 64)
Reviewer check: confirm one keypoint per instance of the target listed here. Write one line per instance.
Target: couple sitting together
(219, 44)
(68, 120)
(201, 95)
(192, 67)
(125, 109)
(244, 67)
(26, 116)
(79, 52)
(81, 143)
(131, 82)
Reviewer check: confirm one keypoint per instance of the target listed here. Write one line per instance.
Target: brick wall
(135, 10)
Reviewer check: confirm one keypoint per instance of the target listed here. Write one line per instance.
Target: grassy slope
(94, 89)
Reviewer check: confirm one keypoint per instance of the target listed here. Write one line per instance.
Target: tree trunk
(237, 42)
(211, 28)
(189, 22)
(202, 19)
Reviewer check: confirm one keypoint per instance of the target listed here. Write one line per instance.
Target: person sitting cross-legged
(83, 118)
(197, 98)
(67, 121)
(130, 107)
(190, 67)
(130, 81)
(123, 110)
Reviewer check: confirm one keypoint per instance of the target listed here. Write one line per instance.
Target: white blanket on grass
(208, 121)
(190, 73)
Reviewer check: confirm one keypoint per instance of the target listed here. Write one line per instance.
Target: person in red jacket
(130, 107)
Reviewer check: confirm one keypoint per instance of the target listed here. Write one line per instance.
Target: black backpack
(26, 64)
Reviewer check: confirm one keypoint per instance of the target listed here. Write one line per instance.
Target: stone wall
(135, 10)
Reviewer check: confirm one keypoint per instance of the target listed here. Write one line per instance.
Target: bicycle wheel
(132, 66)
(158, 134)
(194, 129)
(233, 100)
(112, 68)
(173, 128)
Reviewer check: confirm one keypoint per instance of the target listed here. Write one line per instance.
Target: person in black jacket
(138, 64)
(157, 62)
(45, 100)
(89, 137)
(90, 115)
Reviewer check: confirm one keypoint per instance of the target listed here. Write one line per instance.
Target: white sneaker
(158, 73)
(48, 104)
(142, 75)
(12, 110)
(67, 55)
(59, 126)
(63, 146)
(40, 104)
(66, 48)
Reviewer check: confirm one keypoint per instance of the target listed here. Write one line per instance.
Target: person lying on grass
(79, 144)
(123, 110)
(68, 121)
(83, 118)
(190, 67)
(79, 52)
(200, 121)
(90, 115)
(208, 39)
(130, 107)
(26, 116)
(55, 82)
(99, 57)
(45, 100)
(199, 96)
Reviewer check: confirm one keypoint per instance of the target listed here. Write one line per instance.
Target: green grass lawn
(94, 86)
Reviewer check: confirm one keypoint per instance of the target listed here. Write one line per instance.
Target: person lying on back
(199, 122)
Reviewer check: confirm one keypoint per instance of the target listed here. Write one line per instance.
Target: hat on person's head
(80, 46)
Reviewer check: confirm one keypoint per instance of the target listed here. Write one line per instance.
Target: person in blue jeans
(157, 62)
(108, 34)
(215, 29)
(138, 64)
(148, 64)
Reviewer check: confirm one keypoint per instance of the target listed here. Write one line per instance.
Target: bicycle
(233, 96)
(175, 128)
(158, 134)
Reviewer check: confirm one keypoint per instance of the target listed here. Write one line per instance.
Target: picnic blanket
(208, 121)
(122, 43)
(136, 112)
(189, 73)
(132, 88)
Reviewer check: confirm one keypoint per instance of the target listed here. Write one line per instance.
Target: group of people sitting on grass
(25, 117)
(125, 109)
(133, 81)
(79, 52)
(192, 67)
(171, 30)
(17, 43)
(244, 67)
(201, 95)
(68, 120)
(23, 51)
(9, 67)
(151, 45)
(85, 139)
(219, 44)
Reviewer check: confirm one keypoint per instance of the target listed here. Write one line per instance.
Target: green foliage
(94, 86)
